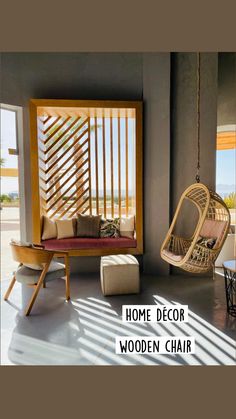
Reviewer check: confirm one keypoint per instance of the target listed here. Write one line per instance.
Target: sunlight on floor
(88, 338)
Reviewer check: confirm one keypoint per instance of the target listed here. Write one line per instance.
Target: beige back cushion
(127, 227)
(65, 228)
(49, 229)
(213, 229)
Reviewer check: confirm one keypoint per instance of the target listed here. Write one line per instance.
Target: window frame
(19, 151)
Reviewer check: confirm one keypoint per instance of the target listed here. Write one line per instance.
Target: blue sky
(225, 167)
(8, 140)
(8, 137)
(131, 153)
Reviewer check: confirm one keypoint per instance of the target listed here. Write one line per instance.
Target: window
(225, 163)
(12, 184)
(87, 158)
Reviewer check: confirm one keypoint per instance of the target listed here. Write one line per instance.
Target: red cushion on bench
(75, 243)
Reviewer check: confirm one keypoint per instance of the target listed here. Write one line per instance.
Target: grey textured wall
(184, 121)
(168, 166)
(184, 126)
(156, 96)
(70, 76)
(66, 76)
(226, 111)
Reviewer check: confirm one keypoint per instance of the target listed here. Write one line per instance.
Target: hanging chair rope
(193, 254)
(198, 116)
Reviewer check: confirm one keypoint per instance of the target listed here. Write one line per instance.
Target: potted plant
(230, 201)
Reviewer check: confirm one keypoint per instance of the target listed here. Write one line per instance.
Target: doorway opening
(12, 184)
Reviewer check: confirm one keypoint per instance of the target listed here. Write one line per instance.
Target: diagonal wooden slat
(42, 192)
(77, 139)
(41, 171)
(63, 144)
(58, 192)
(66, 191)
(42, 150)
(40, 123)
(61, 135)
(69, 197)
(40, 133)
(56, 130)
(65, 162)
(46, 120)
(74, 202)
(81, 205)
(52, 124)
(43, 161)
(85, 210)
(63, 174)
(67, 180)
(42, 179)
(81, 212)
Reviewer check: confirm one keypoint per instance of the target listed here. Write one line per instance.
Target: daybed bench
(64, 235)
(92, 246)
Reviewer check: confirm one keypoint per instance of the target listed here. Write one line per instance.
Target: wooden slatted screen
(87, 162)
(64, 165)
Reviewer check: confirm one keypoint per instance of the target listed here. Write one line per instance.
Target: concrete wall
(66, 76)
(226, 110)
(184, 126)
(156, 96)
(168, 166)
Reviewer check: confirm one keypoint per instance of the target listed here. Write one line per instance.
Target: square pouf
(119, 275)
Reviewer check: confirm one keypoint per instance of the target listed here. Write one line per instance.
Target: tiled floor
(83, 331)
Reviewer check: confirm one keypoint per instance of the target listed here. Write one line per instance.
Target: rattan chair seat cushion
(172, 255)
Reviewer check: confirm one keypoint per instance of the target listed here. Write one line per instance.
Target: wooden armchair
(38, 277)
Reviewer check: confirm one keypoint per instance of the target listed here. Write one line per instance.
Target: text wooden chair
(35, 277)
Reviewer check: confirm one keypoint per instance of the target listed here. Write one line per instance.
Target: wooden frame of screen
(35, 197)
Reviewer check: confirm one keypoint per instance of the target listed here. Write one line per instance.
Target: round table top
(230, 265)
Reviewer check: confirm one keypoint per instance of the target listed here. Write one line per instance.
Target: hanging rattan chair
(214, 221)
(198, 253)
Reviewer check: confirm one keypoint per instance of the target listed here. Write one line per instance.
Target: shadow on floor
(83, 331)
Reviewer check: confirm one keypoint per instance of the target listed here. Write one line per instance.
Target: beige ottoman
(119, 275)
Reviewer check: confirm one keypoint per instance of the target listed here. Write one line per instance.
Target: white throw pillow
(54, 266)
(65, 228)
(34, 266)
(49, 229)
(127, 227)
